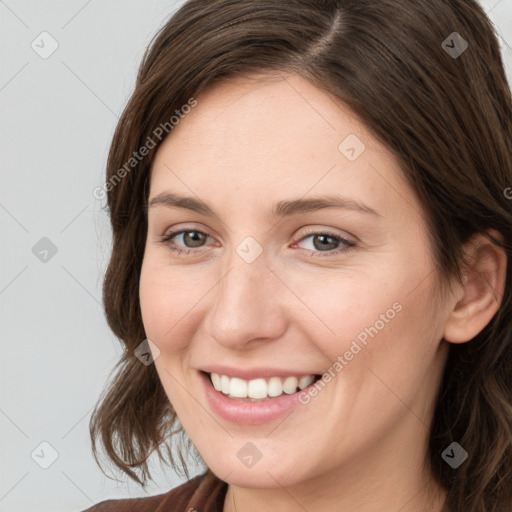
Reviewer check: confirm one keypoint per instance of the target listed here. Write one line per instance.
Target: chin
(271, 474)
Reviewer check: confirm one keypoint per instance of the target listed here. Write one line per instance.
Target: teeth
(304, 382)
(290, 385)
(216, 381)
(275, 387)
(259, 389)
(224, 384)
(238, 388)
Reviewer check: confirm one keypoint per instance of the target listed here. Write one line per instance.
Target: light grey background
(58, 116)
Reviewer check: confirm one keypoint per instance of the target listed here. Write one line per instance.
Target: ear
(480, 295)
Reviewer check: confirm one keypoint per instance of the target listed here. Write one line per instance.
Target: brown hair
(447, 118)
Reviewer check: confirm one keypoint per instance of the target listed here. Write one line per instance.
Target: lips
(257, 372)
(250, 411)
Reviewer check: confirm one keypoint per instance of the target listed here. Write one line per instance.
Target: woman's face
(272, 283)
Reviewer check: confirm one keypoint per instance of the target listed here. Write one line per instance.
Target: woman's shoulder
(205, 492)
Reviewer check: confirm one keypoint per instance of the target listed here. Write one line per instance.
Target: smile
(260, 389)
(254, 396)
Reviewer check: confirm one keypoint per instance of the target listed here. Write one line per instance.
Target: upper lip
(254, 373)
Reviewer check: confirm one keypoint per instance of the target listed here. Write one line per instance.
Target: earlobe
(482, 289)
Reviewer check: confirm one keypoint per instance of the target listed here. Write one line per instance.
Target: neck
(391, 474)
(425, 497)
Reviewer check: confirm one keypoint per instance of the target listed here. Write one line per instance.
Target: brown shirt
(204, 493)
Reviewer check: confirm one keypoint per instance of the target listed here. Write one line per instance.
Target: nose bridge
(245, 301)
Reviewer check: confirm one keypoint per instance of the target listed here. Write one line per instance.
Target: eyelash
(165, 240)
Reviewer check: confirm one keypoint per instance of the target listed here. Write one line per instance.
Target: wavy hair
(446, 117)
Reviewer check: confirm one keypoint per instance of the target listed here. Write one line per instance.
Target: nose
(247, 307)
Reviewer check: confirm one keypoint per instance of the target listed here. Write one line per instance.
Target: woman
(311, 213)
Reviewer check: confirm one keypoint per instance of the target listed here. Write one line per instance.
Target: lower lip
(249, 413)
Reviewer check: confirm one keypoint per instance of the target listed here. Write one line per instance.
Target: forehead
(275, 136)
(270, 105)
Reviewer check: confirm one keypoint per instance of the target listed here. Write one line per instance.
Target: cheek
(335, 310)
(168, 299)
(164, 303)
(372, 320)
(153, 304)
(390, 352)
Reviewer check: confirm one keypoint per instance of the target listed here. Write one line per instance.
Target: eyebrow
(281, 209)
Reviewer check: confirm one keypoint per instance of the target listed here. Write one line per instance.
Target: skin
(361, 443)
